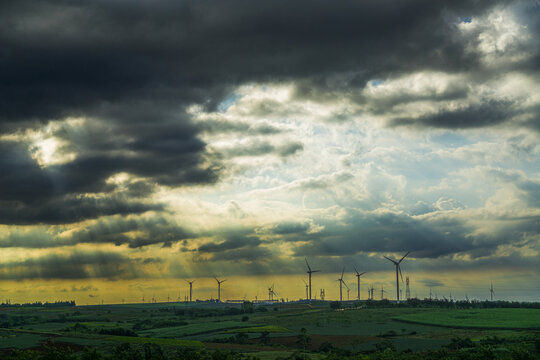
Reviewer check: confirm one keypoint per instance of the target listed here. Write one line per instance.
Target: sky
(145, 143)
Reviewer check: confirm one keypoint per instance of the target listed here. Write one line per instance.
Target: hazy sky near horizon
(146, 142)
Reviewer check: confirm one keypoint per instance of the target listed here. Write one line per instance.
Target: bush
(118, 332)
(335, 305)
(460, 343)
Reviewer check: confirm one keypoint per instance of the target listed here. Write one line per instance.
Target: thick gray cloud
(30, 194)
(436, 235)
(487, 113)
(232, 242)
(133, 70)
(107, 230)
(78, 265)
(139, 61)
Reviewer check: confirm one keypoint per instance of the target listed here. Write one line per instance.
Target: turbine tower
(491, 291)
(190, 288)
(271, 293)
(358, 280)
(307, 288)
(407, 289)
(309, 273)
(219, 288)
(398, 272)
(341, 282)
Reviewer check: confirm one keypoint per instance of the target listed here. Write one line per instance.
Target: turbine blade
(399, 268)
(315, 271)
(342, 272)
(356, 270)
(363, 273)
(390, 259)
(404, 256)
(309, 268)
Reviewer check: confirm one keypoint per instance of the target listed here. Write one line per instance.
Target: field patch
(193, 329)
(260, 329)
(158, 341)
(477, 318)
(19, 340)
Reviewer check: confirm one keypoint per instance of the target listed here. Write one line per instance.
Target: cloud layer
(202, 137)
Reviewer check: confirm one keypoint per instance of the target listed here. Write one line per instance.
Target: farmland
(268, 331)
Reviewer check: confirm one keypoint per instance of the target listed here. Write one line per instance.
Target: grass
(20, 340)
(481, 318)
(260, 329)
(358, 329)
(158, 341)
(193, 329)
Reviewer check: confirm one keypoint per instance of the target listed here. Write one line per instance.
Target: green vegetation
(158, 341)
(260, 329)
(478, 318)
(320, 331)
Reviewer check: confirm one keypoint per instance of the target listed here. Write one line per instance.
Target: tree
(303, 339)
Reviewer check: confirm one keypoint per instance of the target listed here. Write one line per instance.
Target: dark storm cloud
(132, 69)
(153, 230)
(79, 265)
(83, 58)
(488, 113)
(286, 228)
(108, 230)
(391, 232)
(30, 194)
(230, 243)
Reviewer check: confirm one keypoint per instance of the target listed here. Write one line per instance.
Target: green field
(480, 318)
(270, 331)
(260, 329)
(192, 329)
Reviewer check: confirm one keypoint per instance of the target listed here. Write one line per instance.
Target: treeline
(445, 303)
(459, 349)
(472, 304)
(40, 304)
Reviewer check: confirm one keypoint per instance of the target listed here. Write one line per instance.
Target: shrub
(335, 305)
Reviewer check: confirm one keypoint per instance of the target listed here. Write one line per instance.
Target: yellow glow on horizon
(244, 287)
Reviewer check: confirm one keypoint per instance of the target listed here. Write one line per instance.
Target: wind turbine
(348, 290)
(358, 280)
(341, 282)
(271, 293)
(309, 273)
(190, 288)
(491, 291)
(307, 288)
(219, 288)
(398, 272)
